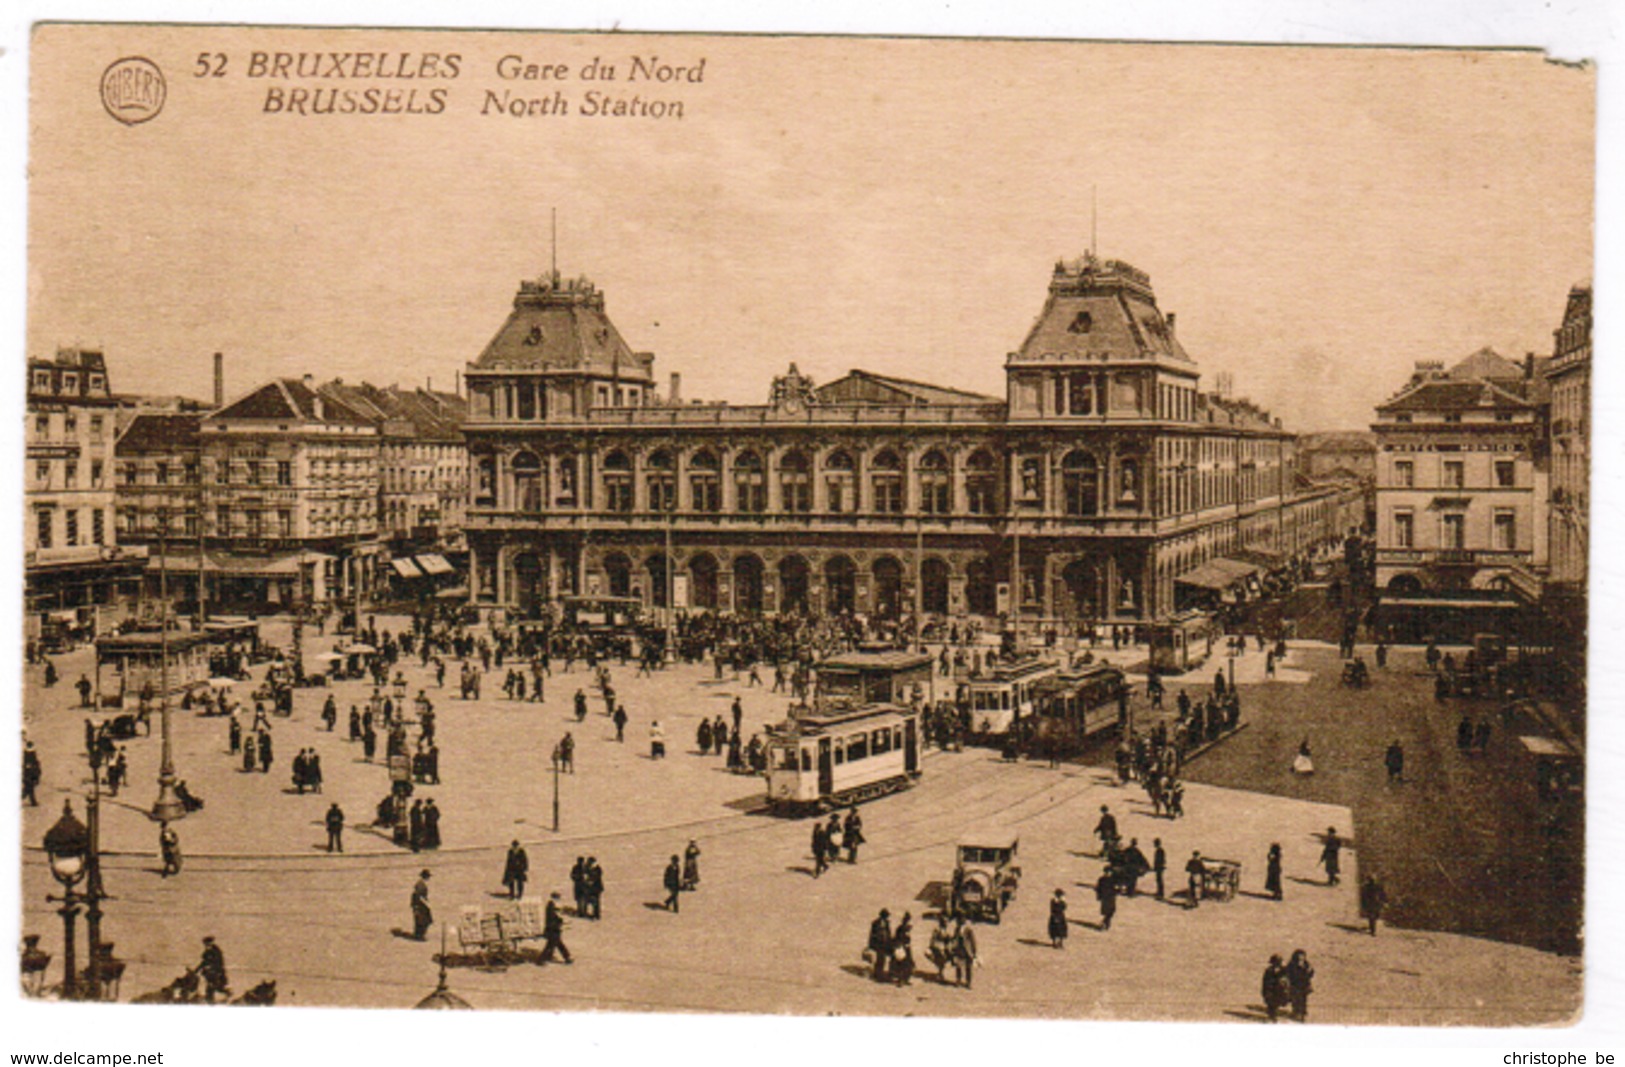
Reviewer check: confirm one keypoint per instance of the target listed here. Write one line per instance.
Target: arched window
(1080, 484)
(982, 483)
(887, 482)
(527, 482)
(795, 483)
(936, 484)
(662, 482)
(750, 485)
(705, 482)
(618, 484)
(840, 483)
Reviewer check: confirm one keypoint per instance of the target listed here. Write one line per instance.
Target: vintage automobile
(985, 875)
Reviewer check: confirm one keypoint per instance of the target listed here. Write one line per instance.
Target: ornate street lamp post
(67, 847)
(168, 806)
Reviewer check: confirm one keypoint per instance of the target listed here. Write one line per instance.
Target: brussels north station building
(1105, 487)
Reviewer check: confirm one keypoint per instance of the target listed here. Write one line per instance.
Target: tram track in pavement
(323, 863)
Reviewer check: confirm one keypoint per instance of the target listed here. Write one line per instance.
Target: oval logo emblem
(133, 90)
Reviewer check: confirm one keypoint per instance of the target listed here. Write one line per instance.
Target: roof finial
(554, 273)
(1093, 221)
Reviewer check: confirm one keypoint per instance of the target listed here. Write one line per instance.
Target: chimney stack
(219, 380)
(676, 394)
(1170, 322)
(1529, 366)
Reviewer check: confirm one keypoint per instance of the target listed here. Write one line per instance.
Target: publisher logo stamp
(133, 90)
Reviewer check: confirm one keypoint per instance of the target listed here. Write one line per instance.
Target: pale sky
(1319, 219)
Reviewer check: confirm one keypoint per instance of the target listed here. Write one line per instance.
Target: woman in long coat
(902, 951)
(1299, 975)
(1272, 872)
(1057, 920)
(1274, 988)
(250, 757)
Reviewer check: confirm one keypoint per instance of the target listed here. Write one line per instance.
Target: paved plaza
(760, 933)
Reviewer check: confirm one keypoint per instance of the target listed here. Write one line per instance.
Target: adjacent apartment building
(75, 571)
(1462, 478)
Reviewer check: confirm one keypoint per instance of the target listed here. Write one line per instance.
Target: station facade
(1102, 480)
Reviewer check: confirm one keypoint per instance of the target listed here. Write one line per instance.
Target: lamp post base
(168, 806)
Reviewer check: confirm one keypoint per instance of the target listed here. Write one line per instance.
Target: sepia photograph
(804, 525)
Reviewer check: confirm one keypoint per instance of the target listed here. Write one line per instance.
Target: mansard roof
(559, 325)
(1101, 312)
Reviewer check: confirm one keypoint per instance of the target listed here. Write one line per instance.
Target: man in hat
(1330, 855)
(852, 834)
(674, 883)
(213, 969)
(335, 828)
(592, 877)
(31, 774)
(1106, 830)
(1394, 759)
(422, 917)
(553, 931)
(1196, 872)
(1373, 898)
(414, 822)
(516, 871)
(880, 945)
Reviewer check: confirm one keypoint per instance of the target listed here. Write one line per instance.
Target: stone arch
(529, 481)
(702, 581)
(888, 578)
(529, 583)
(934, 586)
(841, 584)
(981, 587)
(748, 585)
(1080, 484)
(794, 575)
(1405, 585)
(1084, 580)
(618, 574)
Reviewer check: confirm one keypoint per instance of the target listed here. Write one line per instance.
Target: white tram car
(1005, 692)
(837, 756)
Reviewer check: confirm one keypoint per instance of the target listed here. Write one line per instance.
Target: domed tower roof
(559, 325)
(1102, 311)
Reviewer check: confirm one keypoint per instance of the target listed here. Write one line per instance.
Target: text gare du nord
(594, 102)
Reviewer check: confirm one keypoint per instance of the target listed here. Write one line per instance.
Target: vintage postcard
(805, 525)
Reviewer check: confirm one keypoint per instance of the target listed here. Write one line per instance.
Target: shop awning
(1265, 559)
(433, 563)
(1546, 746)
(240, 566)
(1218, 573)
(405, 567)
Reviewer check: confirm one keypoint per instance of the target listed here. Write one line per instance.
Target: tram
(840, 755)
(869, 676)
(1074, 704)
(1003, 694)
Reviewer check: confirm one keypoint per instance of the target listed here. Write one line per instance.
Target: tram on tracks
(839, 755)
(1073, 705)
(874, 676)
(1003, 694)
